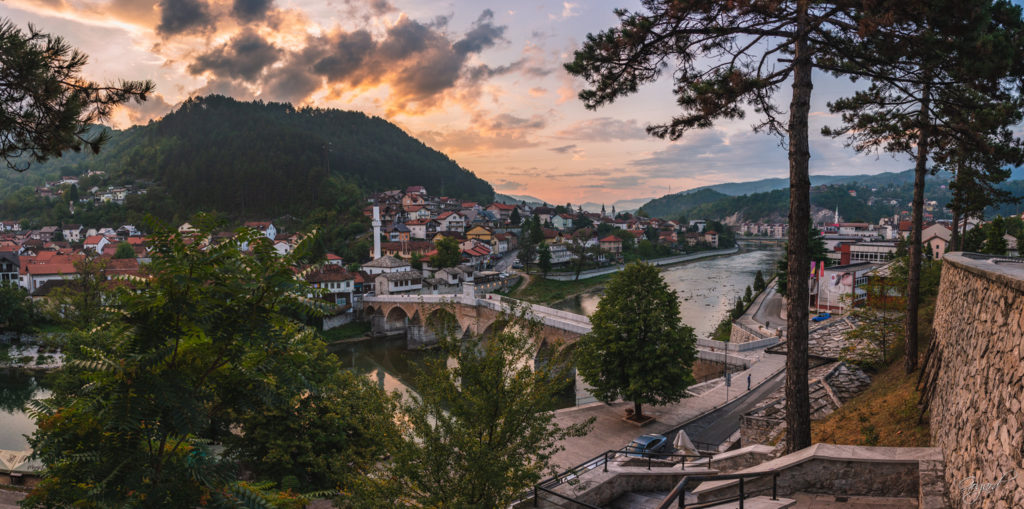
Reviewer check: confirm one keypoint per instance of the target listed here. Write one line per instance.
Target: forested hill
(255, 159)
(856, 201)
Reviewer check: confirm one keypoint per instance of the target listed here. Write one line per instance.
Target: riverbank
(547, 291)
(658, 262)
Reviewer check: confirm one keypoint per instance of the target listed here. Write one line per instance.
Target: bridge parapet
(558, 319)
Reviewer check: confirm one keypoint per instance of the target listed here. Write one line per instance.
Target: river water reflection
(707, 289)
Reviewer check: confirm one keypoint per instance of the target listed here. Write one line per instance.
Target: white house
(451, 222)
(72, 232)
(264, 227)
(398, 282)
(386, 264)
(562, 221)
(96, 243)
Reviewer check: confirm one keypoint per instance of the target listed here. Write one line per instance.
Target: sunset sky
(481, 81)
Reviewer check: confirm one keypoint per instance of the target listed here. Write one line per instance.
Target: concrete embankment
(669, 260)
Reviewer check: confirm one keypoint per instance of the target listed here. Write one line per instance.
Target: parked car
(643, 446)
(516, 264)
(822, 317)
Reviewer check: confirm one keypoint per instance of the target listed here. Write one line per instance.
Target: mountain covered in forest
(859, 197)
(256, 159)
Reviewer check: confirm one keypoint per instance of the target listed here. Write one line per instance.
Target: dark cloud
(179, 16)
(417, 59)
(605, 129)
(483, 35)
(251, 10)
(563, 149)
(243, 57)
(345, 55)
(508, 121)
(509, 185)
(381, 6)
(291, 83)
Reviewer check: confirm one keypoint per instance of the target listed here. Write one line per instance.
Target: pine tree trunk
(914, 270)
(798, 407)
(954, 240)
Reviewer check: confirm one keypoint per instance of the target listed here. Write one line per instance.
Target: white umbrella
(682, 443)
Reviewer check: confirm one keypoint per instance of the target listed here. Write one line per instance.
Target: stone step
(637, 500)
(761, 502)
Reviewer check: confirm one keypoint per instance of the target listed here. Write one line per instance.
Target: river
(707, 289)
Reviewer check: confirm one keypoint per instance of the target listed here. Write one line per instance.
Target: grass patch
(886, 414)
(548, 291)
(353, 329)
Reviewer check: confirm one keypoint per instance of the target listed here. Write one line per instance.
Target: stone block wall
(850, 478)
(975, 381)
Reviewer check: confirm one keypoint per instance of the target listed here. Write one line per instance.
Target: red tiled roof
(611, 238)
(95, 239)
(502, 206)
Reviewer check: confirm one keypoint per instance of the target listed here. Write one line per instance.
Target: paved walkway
(9, 499)
(611, 432)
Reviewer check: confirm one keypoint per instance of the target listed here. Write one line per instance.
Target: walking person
(748, 381)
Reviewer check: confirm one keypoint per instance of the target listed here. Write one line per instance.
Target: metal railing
(547, 485)
(680, 490)
(650, 456)
(538, 489)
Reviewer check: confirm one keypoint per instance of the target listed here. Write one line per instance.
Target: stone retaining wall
(974, 381)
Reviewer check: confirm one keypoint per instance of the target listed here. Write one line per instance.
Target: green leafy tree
(416, 260)
(448, 253)
(879, 323)
(995, 243)
(47, 106)
(80, 302)
(124, 250)
(191, 353)
(17, 314)
(480, 430)
(527, 246)
(638, 349)
(544, 258)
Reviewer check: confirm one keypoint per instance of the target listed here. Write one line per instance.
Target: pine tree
(995, 243)
(946, 75)
(48, 108)
(759, 284)
(544, 258)
(727, 55)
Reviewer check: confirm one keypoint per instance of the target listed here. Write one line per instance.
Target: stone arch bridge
(412, 315)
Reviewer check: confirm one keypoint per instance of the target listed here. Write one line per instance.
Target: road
(771, 310)
(716, 427)
(505, 263)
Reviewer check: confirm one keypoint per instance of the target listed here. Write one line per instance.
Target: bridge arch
(396, 319)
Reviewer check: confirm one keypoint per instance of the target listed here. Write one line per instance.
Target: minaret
(837, 214)
(376, 232)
